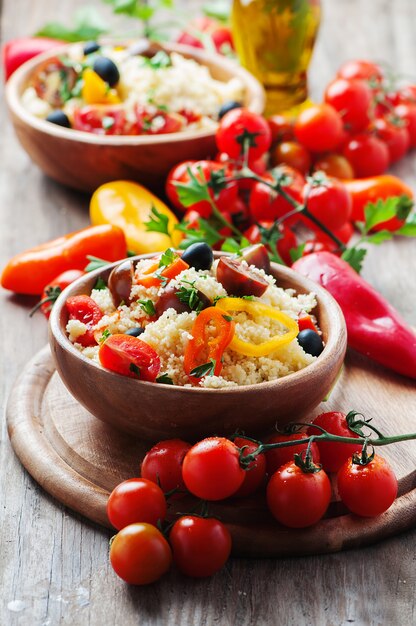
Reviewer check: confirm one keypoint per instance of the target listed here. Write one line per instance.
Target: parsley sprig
(148, 307)
(190, 295)
(206, 369)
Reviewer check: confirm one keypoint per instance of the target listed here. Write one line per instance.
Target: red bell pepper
(18, 51)
(374, 327)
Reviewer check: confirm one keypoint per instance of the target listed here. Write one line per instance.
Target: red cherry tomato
(335, 165)
(211, 469)
(407, 112)
(282, 127)
(314, 245)
(266, 204)
(95, 119)
(277, 457)
(284, 245)
(297, 499)
(406, 95)
(365, 70)
(329, 202)
(136, 500)
(178, 174)
(352, 100)
(293, 154)
(255, 472)
(163, 464)
(240, 126)
(367, 490)
(201, 546)
(344, 234)
(55, 288)
(368, 155)
(140, 554)
(85, 310)
(333, 455)
(319, 128)
(394, 135)
(129, 356)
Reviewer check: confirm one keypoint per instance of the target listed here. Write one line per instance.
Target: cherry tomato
(407, 112)
(266, 204)
(314, 245)
(55, 288)
(305, 322)
(284, 245)
(298, 499)
(239, 280)
(201, 546)
(333, 455)
(282, 127)
(367, 490)
(344, 234)
(255, 472)
(329, 202)
(319, 128)
(191, 219)
(163, 464)
(241, 126)
(406, 95)
(277, 457)
(335, 165)
(211, 469)
(100, 119)
(365, 70)
(129, 356)
(50, 74)
(157, 122)
(85, 310)
(352, 100)
(140, 554)
(368, 155)
(219, 34)
(178, 174)
(136, 500)
(395, 135)
(367, 190)
(293, 154)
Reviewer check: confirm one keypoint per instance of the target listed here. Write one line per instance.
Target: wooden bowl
(156, 412)
(85, 161)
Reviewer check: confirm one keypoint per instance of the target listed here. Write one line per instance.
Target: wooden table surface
(53, 564)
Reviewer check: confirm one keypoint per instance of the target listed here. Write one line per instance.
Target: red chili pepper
(18, 51)
(374, 326)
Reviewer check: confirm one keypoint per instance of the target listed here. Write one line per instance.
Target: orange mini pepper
(29, 271)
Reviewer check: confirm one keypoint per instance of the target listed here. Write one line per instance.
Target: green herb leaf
(228, 318)
(167, 257)
(355, 257)
(88, 25)
(231, 245)
(409, 228)
(131, 253)
(104, 336)
(100, 284)
(379, 237)
(247, 297)
(190, 296)
(107, 122)
(158, 222)
(219, 9)
(133, 368)
(95, 263)
(193, 191)
(206, 369)
(382, 210)
(205, 233)
(215, 300)
(164, 379)
(296, 253)
(148, 307)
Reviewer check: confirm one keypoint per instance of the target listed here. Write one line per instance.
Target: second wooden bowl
(156, 412)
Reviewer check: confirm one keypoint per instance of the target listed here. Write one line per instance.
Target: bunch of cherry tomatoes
(293, 478)
(351, 138)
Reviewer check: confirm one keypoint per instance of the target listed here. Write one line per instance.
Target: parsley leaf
(164, 379)
(148, 307)
(88, 26)
(205, 233)
(158, 222)
(206, 369)
(355, 257)
(105, 335)
(100, 284)
(228, 318)
(409, 228)
(167, 257)
(296, 253)
(382, 210)
(133, 368)
(190, 296)
(193, 191)
(95, 263)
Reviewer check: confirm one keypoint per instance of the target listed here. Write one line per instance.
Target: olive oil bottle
(274, 40)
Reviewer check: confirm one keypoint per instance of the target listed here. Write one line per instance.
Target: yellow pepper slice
(128, 205)
(96, 91)
(258, 308)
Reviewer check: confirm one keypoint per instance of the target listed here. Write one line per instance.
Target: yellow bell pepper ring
(258, 308)
(96, 91)
(129, 205)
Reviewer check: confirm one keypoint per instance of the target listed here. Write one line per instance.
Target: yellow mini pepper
(257, 308)
(96, 91)
(129, 206)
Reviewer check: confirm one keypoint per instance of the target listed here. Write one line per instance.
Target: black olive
(228, 106)
(59, 118)
(199, 256)
(310, 341)
(107, 70)
(134, 332)
(90, 47)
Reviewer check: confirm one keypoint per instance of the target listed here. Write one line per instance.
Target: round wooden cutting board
(79, 460)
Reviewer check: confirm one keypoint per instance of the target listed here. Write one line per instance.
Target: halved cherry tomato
(305, 322)
(140, 554)
(49, 78)
(101, 119)
(368, 155)
(241, 127)
(277, 457)
(334, 454)
(211, 469)
(238, 280)
(202, 347)
(52, 291)
(284, 245)
(352, 100)
(120, 282)
(163, 464)
(201, 546)
(136, 500)
(129, 356)
(293, 154)
(255, 472)
(319, 128)
(85, 310)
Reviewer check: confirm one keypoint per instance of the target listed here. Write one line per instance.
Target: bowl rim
(16, 83)
(325, 299)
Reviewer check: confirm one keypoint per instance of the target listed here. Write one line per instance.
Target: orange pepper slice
(174, 269)
(202, 347)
